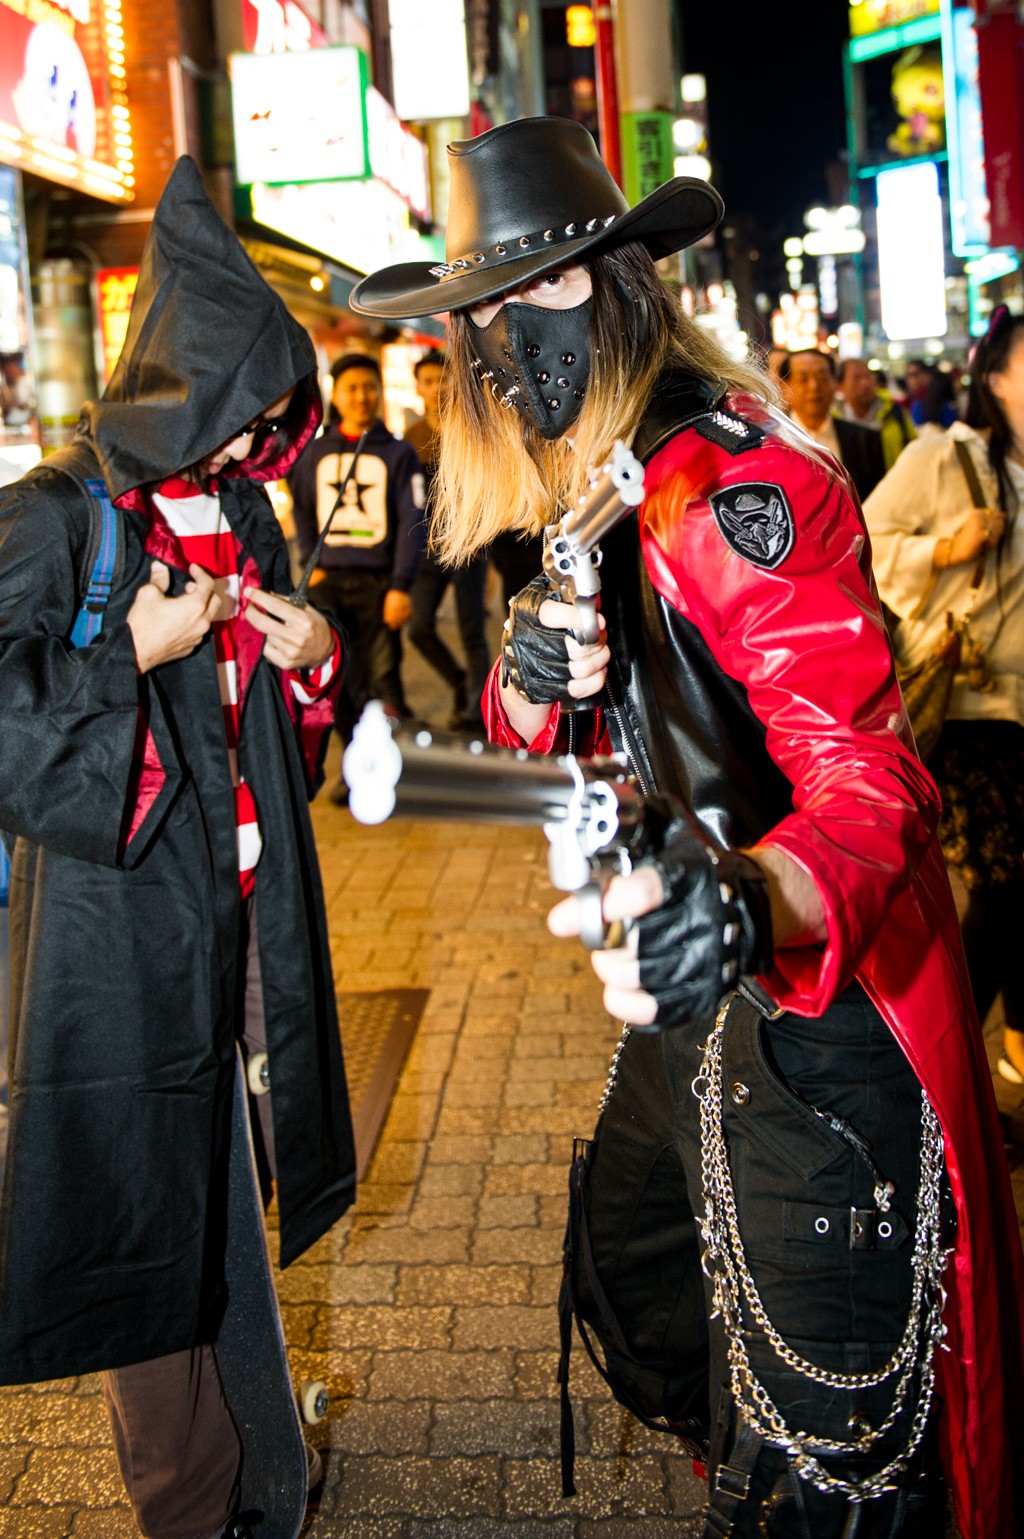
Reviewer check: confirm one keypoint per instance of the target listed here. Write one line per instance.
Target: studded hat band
(516, 195)
(516, 245)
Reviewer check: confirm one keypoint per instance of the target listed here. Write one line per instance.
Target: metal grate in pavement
(377, 1028)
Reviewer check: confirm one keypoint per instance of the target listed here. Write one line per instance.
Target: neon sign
(63, 105)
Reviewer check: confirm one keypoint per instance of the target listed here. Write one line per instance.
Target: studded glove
(534, 657)
(713, 926)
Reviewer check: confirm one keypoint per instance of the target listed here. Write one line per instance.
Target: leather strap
(978, 498)
(732, 1483)
(969, 469)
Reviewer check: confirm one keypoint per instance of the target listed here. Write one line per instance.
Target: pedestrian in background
(866, 401)
(936, 411)
(807, 379)
(929, 544)
(372, 554)
(468, 579)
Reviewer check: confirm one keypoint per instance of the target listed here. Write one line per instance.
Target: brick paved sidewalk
(430, 1310)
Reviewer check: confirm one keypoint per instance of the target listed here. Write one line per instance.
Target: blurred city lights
(579, 26)
(692, 165)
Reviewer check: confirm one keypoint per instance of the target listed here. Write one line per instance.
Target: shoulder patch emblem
(729, 430)
(756, 521)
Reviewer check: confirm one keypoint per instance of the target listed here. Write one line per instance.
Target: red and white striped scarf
(196, 521)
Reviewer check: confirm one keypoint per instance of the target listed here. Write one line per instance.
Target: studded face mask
(537, 360)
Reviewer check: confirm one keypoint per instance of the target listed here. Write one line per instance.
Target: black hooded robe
(125, 955)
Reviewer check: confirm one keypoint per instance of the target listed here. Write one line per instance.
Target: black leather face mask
(538, 361)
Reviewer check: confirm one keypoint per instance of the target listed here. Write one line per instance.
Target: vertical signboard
(911, 266)
(968, 196)
(429, 59)
(115, 288)
(648, 154)
(1001, 78)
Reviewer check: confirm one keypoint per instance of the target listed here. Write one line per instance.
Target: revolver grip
(588, 632)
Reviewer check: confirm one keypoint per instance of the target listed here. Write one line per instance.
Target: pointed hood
(209, 346)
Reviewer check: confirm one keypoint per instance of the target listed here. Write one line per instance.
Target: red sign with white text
(1001, 86)
(278, 26)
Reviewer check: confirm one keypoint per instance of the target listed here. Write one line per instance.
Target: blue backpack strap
(100, 564)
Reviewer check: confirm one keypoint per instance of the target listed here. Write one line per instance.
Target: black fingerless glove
(534, 657)
(713, 927)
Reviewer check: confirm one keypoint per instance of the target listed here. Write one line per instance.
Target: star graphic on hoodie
(353, 492)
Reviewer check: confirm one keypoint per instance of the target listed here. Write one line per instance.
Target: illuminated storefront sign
(968, 195)
(312, 117)
(363, 225)
(278, 26)
(648, 154)
(580, 31)
(19, 417)
(429, 59)
(63, 108)
(115, 288)
(1001, 77)
(911, 268)
(300, 117)
(867, 16)
(897, 94)
(396, 155)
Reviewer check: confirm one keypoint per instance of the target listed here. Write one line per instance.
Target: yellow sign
(867, 16)
(114, 289)
(579, 26)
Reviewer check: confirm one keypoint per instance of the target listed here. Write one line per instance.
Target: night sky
(775, 101)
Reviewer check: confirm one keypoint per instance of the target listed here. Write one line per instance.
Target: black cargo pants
(801, 1189)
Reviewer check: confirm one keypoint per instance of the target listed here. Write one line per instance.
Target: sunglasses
(262, 426)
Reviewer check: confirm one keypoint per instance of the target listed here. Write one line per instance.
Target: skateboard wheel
(313, 1400)
(257, 1072)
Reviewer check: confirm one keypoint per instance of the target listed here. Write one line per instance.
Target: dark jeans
(355, 599)
(795, 1181)
(518, 561)
(428, 590)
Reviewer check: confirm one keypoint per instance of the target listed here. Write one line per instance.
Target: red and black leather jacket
(752, 676)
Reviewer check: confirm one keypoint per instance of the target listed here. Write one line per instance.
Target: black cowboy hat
(525, 197)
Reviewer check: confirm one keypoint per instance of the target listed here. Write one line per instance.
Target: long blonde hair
(485, 481)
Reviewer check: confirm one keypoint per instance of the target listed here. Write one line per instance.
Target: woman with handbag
(936, 555)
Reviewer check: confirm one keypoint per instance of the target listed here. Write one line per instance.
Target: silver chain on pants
(737, 1302)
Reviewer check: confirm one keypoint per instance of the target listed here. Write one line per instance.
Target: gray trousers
(176, 1441)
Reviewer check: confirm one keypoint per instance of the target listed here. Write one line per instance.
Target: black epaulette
(729, 430)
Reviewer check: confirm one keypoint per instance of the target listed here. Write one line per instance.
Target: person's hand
(165, 629)
(625, 898)
(397, 609)
(296, 638)
(541, 661)
(981, 530)
(701, 921)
